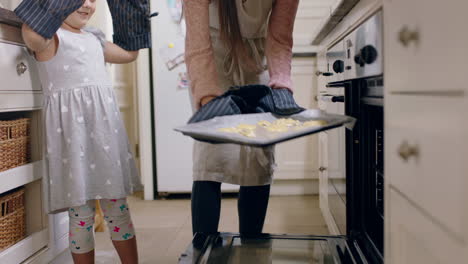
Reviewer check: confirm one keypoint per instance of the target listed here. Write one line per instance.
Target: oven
(359, 76)
(355, 87)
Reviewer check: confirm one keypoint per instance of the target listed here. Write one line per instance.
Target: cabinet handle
(21, 68)
(406, 151)
(318, 73)
(407, 36)
(322, 169)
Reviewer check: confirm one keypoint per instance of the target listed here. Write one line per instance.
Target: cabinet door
(61, 225)
(309, 17)
(323, 173)
(18, 70)
(298, 159)
(425, 45)
(414, 239)
(426, 152)
(9, 4)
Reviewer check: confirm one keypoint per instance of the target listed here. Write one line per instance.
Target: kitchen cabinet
(414, 238)
(298, 159)
(17, 69)
(21, 96)
(427, 150)
(425, 140)
(426, 43)
(9, 4)
(325, 187)
(309, 15)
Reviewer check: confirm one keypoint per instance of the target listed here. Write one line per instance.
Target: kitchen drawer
(18, 70)
(20, 101)
(414, 239)
(425, 45)
(426, 150)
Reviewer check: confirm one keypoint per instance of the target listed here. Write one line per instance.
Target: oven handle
(336, 85)
(332, 98)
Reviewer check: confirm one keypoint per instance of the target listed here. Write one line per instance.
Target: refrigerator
(171, 101)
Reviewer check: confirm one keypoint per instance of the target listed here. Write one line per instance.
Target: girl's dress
(87, 152)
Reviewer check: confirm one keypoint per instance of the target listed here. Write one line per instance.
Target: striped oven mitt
(46, 16)
(279, 102)
(238, 100)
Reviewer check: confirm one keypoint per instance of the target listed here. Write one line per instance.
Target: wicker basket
(11, 129)
(12, 218)
(14, 143)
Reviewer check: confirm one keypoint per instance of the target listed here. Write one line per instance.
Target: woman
(228, 43)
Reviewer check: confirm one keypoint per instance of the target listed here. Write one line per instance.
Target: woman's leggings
(206, 207)
(116, 214)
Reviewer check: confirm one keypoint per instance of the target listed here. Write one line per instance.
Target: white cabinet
(298, 159)
(309, 16)
(426, 151)
(9, 4)
(425, 45)
(17, 69)
(21, 96)
(415, 239)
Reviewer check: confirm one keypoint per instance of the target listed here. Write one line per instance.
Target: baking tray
(208, 130)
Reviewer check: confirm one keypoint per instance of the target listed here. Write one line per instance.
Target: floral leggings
(116, 214)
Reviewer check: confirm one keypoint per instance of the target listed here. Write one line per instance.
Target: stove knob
(338, 66)
(369, 54)
(358, 60)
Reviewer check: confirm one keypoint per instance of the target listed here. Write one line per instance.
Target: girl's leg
(206, 206)
(122, 232)
(252, 207)
(81, 233)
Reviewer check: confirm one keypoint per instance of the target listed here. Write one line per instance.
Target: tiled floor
(163, 227)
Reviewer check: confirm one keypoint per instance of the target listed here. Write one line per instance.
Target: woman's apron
(229, 163)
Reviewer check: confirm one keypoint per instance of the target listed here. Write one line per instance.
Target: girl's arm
(279, 43)
(117, 55)
(199, 55)
(44, 49)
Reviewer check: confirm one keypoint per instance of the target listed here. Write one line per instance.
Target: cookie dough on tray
(278, 126)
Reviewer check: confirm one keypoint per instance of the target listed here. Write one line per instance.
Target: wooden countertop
(10, 27)
(9, 18)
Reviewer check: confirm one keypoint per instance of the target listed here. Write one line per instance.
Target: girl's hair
(230, 32)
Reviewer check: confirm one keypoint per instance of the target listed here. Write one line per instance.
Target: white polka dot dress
(88, 154)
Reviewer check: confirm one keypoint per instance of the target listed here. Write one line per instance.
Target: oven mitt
(251, 94)
(279, 102)
(238, 100)
(220, 106)
(46, 16)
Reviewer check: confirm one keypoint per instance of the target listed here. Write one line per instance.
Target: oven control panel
(359, 54)
(336, 62)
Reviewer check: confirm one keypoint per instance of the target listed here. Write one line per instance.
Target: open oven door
(231, 248)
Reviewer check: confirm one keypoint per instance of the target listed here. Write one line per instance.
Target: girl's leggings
(116, 214)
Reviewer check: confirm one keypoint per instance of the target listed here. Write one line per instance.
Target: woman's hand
(206, 99)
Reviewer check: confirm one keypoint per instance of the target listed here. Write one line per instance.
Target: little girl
(88, 154)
